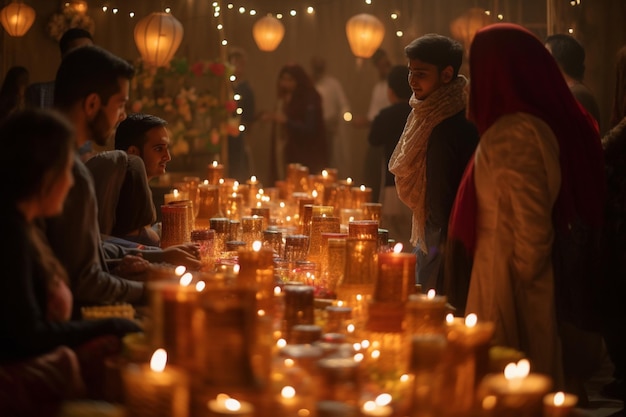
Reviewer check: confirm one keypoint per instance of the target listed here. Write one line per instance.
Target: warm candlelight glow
(256, 245)
(232, 404)
(431, 294)
(349, 180)
(449, 318)
(471, 320)
(397, 248)
(289, 363)
(358, 357)
(206, 182)
(200, 286)
(186, 279)
(350, 328)
(214, 163)
(375, 354)
(158, 360)
(253, 179)
(221, 181)
(277, 291)
(383, 399)
(236, 268)
(404, 378)
(365, 343)
(260, 313)
(281, 343)
(288, 392)
(517, 371)
(559, 399)
(362, 187)
(324, 173)
(339, 303)
(359, 297)
(180, 270)
(175, 192)
(314, 193)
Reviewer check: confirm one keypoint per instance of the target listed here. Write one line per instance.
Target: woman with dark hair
(536, 176)
(12, 91)
(42, 349)
(298, 134)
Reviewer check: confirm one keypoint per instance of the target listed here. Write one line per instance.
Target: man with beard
(91, 90)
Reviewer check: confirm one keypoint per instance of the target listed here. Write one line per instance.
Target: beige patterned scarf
(408, 161)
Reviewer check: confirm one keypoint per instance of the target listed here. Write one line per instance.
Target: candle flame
(258, 204)
(221, 181)
(206, 182)
(398, 248)
(281, 343)
(431, 294)
(222, 397)
(349, 180)
(180, 270)
(404, 378)
(236, 268)
(200, 286)
(517, 371)
(324, 173)
(214, 163)
(288, 392)
(277, 290)
(186, 279)
(375, 354)
(383, 399)
(358, 357)
(362, 187)
(449, 318)
(289, 363)
(339, 303)
(281, 204)
(365, 343)
(359, 297)
(260, 313)
(232, 404)
(253, 178)
(559, 399)
(369, 406)
(175, 192)
(256, 245)
(314, 193)
(158, 360)
(471, 320)
(350, 328)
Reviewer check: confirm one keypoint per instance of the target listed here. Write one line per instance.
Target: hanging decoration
(268, 32)
(464, 27)
(17, 18)
(73, 14)
(365, 34)
(157, 37)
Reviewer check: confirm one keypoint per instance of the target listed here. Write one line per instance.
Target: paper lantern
(17, 18)
(464, 27)
(268, 32)
(157, 37)
(78, 6)
(365, 34)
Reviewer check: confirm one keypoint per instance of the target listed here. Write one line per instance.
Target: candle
(426, 312)
(215, 172)
(559, 404)
(175, 195)
(396, 276)
(371, 409)
(257, 272)
(224, 406)
(517, 392)
(360, 195)
(208, 201)
(156, 390)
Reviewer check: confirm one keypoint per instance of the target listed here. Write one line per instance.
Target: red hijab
(511, 71)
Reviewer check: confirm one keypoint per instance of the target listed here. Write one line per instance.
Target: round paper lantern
(365, 34)
(465, 26)
(268, 32)
(157, 37)
(17, 18)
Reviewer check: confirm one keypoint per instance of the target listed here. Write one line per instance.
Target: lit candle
(371, 409)
(559, 404)
(215, 172)
(156, 390)
(224, 406)
(396, 276)
(175, 195)
(426, 312)
(517, 392)
(360, 195)
(257, 271)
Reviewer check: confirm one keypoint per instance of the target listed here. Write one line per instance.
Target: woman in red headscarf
(536, 174)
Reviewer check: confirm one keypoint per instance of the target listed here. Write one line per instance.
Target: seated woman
(125, 208)
(43, 358)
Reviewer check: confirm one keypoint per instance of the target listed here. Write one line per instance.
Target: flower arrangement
(193, 99)
(69, 18)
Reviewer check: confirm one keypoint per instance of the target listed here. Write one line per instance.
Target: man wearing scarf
(435, 146)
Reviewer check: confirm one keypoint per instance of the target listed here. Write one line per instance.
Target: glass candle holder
(340, 380)
(205, 238)
(302, 334)
(363, 229)
(257, 272)
(251, 230)
(305, 272)
(296, 247)
(235, 245)
(263, 212)
(177, 194)
(383, 241)
(297, 178)
(319, 225)
(316, 183)
(274, 240)
(299, 307)
(336, 263)
(426, 314)
(234, 206)
(175, 225)
(191, 185)
(221, 225)
(208, 201)
(396, 277)
(372, 211)
(360, 195)
(336, 318)
(347, 215)
(306, 214)
(215, 171)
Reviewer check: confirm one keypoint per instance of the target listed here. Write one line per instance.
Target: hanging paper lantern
(157, 37)
(268, 32)
(365, 34)
(465, 26)
(17, 18)
(78, 6)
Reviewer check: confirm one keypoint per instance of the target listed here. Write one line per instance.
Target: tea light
(371, 409)
(426, 312)
(224, 406)
(156, 390)
(175, 195)
(559, 404)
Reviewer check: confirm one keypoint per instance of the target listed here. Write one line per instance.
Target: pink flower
(217, 69)
(197, 69)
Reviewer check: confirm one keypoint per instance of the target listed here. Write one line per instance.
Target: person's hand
(131, 266)
(191, 248)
